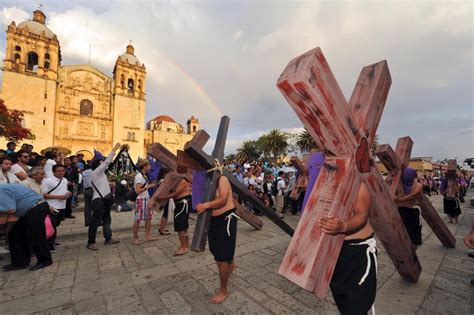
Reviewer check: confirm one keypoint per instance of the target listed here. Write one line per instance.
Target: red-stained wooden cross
(395, 162)
(451, 177)
(344, 132)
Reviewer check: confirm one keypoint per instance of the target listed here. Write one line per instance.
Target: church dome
(161, 118)
(130, 57)
(37, 25)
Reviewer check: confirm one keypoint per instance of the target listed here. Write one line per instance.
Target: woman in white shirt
(142, 213)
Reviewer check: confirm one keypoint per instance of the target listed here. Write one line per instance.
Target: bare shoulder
(363, 198)
(224, 181)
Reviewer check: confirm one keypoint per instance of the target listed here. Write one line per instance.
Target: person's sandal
(166, 232)
(92, 246)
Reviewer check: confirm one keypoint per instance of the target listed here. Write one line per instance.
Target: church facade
(72, 106)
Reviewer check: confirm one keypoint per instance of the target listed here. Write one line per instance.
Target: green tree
(275, 142)
(249, 150)
(375, 143)
(305, 142)
(230, 157)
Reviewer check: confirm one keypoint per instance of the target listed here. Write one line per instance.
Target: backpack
(275, 187)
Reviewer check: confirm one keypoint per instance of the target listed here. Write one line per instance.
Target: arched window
(122, 81)
(132, 136)
(17, 58)
(32, 61)
(194, 129)
(86, 108)
(140, 85)
(130, 85)
(17, 48)
(46, 61)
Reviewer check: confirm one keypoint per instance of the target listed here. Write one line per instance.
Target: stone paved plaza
(125, 278)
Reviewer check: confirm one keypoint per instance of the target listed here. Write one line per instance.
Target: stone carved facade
(74, 106)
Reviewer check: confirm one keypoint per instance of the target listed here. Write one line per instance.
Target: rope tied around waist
(217, 167)
(228, 218)
(371, 249)
(185, 207)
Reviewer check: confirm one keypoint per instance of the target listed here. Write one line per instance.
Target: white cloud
(8, 15)
(237, 35)
(194, 66)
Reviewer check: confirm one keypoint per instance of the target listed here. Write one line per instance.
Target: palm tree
(375, 143)
(305, 142)
(248, 151)
(275, 142)
(230, 157)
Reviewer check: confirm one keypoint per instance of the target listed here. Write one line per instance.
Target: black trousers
(88, 193)
(68, 211)
(100, 213)
(28, 231)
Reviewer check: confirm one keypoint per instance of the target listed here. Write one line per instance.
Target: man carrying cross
(408, 205)
(222, 234)
(354, 281)
(183, 205)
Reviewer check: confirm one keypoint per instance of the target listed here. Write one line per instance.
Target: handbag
(107, 200)
(49, 227)
(132, 194)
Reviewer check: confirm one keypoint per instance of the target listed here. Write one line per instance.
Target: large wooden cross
(179, 171)
(451, 179)
(395, 162)
(202, 224)
(344, 132)
(207, 162)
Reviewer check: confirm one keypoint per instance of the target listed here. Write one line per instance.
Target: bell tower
(30, 73)
(129, 101)
(32, 48)
(193, 125)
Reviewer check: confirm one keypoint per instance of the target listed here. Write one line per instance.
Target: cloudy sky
(209, 58)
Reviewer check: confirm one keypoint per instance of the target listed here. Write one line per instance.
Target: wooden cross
(344, 132)
(182, 165)
(207, 162)
(168, 159)
(204, 219)
(302, 179)
(451, 178)
(395, 162)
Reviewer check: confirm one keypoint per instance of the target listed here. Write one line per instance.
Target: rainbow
(196, 86)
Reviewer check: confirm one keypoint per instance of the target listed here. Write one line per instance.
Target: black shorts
(181, 213)
(165, 210)
(353, 293)
(411, 220)
(222, 236)
(451, 206)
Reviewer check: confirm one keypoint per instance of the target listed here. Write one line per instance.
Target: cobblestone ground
(125, 278)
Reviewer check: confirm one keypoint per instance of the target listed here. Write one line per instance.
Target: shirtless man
(222, 234)
(354, 282)
(408, 204)
(183, 204)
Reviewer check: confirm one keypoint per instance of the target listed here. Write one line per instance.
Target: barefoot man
(354, 282)
(222, 234)
(408, 205)
(183, 204)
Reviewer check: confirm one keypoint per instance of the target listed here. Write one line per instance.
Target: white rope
(419, 213)
(217, 167)
(185, 207)
(371, 248)
(228, 218)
